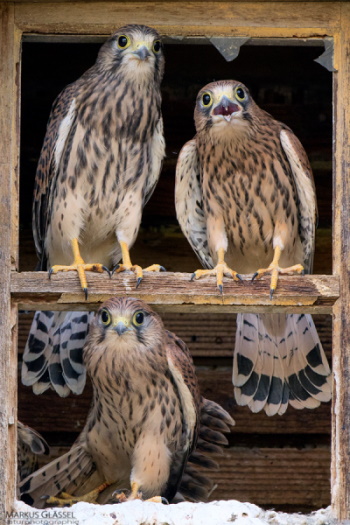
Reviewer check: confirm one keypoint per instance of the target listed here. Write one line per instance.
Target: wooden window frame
(313, 294)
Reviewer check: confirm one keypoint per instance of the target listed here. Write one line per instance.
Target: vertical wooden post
(341, 258)
(9, 81)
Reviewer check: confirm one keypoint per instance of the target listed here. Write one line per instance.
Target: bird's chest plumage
(249, 187)
(126, 410)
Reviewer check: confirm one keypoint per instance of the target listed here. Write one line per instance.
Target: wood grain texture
(183, 18)
(308, 293)
(9, 53)
(341, 260)
(272, 476)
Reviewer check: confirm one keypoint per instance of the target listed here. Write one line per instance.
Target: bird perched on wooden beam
(145, 419)
(99, 164)
(245, 200)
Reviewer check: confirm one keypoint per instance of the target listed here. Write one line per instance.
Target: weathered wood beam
(268, 19)
(9, 82)
(341, 262)
(176, 292)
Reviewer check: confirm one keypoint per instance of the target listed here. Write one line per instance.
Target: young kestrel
(245, 200)
(99, 164)
(145, 419)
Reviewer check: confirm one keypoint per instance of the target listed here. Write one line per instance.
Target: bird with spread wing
(245, 200)
(147, 421)
(100, 161)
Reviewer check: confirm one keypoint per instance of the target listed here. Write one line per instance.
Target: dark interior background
(280, 462)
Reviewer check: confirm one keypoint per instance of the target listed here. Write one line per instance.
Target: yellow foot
(121, 497)
(127, 266)
(67, 500)
(220, 270)
(81, 269)
(138, 270)
(78, 266)
(275, 270)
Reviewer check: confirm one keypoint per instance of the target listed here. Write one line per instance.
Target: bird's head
(127, 329)
(135, 50)
(223, 106)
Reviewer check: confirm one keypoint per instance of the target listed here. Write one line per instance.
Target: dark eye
(105, 316)
(156, 46)
(123, 41)
(207, 99)
(240, 94)
(138, 318)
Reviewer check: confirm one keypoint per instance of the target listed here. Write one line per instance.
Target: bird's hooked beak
(142, 51)
(121, 325)
(226, 108)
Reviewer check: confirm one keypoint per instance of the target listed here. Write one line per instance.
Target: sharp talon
(45, 496)
(107, 270)
(239, 277)
(50, 273)
(220, 288)
(193, 276)
(164, 501)
(138, 282)
(114, 269)
(85, 290)
(255, 275)
(162, 269)
(271, 293)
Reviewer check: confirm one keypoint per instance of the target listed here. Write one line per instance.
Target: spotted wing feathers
(211, 423)
(189, 202)
(30, 445)
(52, 356)
(279, 359)
(61, 119)
(66, 473)
(214, 423)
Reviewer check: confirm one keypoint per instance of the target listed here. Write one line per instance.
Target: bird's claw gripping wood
(220, 270)
(275, 270)
(128, 266)
(67, 500)
(79, 266)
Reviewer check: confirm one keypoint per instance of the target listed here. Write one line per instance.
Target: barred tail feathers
(52, 356)
(279, 359)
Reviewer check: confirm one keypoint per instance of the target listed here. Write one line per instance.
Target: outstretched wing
(189, 203)
(66, 473)
(183, 372)
(305, 186)
(60, 124)
(30, 444)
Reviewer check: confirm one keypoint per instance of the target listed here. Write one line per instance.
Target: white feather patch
(63, 132)
(187, 403)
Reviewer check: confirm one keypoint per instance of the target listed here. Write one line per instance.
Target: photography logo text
(41, 517)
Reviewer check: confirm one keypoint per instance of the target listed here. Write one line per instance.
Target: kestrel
(30, 445)
(245, 200)
(145, 419)
(99, 164)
